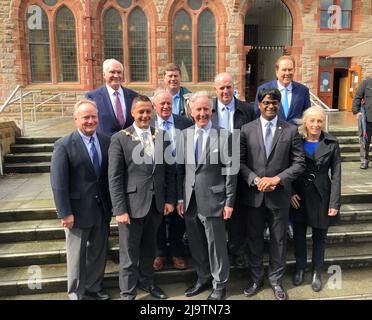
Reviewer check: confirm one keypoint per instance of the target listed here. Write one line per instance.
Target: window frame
(337, 3)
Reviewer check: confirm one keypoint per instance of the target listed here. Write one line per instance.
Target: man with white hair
(112, 99)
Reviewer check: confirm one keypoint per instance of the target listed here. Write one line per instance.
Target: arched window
(39, 45)
(182, 42)
(206, 46)
(113, 35)
(138, 46)
(66, 45)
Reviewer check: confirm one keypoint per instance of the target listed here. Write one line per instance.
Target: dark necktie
(199, 146)
(166, 127)
(95, 158)
(119, 110)
(268, 138)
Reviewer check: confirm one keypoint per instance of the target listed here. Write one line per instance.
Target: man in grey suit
(230, 113)
(206, 196)
(80, 188)
(172, 228)
(272, 157)
(142, 188)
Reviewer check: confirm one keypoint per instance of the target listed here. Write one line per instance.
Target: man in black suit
(364, 94)
(231, 113)
(114, 102)
(80, 188)
(272, 157)
(172, 228)
(142, 188)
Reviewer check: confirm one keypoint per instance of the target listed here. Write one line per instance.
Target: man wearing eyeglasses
(272, 157)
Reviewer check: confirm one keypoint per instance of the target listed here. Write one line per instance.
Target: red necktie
(119, 110)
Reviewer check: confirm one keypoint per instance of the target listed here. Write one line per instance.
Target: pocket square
(215, 150)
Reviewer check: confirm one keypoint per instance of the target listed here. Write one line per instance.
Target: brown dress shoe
(179, 263)
(159, 263)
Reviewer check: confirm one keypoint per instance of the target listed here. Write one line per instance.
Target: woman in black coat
(316, 201)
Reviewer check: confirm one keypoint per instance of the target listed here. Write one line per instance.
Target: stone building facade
(62, 44)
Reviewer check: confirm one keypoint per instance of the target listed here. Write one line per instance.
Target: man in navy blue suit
(114, 102)
(295, 96)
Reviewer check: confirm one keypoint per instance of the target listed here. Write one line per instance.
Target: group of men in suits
(143, 188)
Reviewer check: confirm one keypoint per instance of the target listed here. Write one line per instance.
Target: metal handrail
(319, 102)
(34, 109)
(7, 102)
(24, 95)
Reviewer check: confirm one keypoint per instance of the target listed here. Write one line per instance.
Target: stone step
(352, 157)
(27, 167)
(348, 140)
(53, 251)
(344, 133)
(28, 148)
(35, 140)
(28, 157)
(13, 215)
(17, 280)
(349, 148)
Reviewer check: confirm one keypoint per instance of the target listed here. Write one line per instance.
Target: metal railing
(34, 109)
(315, 100)
(36, 97)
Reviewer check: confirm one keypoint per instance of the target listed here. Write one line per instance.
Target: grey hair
(199, 94)
(314, 109)
(218, 77)
(81, 102)
(108, 62)
(158, 91)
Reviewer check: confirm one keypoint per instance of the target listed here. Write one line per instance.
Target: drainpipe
(89, 57)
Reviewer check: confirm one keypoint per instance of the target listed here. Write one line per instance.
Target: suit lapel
(104, 154)
(128, 107)
(259, 137)
(293, 99)
(278, 133)
(214, 116)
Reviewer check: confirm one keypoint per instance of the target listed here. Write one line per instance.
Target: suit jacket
(76, 188)
(285, 160)
(213, 189)
(319, 191)
(299, 103)
(364, 92)
(108, 123)
(243, 114)
(133, 184)
(183, 111)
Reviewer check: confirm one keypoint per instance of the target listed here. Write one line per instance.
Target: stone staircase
(32, 243)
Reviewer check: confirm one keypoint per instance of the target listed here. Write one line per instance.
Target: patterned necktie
(268, 138)
(95, 158)
(119, 110)
(199, 146)
(147, 145)
(285, 102)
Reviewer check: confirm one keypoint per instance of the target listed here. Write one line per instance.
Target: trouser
(319, 237)
(207, 241)
(364, 145)
(171, 230)
(86, 252)
(277, 221)
(137, 242)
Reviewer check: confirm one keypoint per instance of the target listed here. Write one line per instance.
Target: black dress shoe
(217, 294)
(279, 293)
(316, 282)
(298, 277)
(155, 291)
(101, 295)
(364, 166)
(197, 288)
(253, 289)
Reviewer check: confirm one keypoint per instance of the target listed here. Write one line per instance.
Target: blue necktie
(166, 127)
(95, 158)
(199, 146)
(268, 139)
(285, 102)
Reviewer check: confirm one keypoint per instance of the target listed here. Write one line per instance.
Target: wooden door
(354, 79)
(325, 88)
